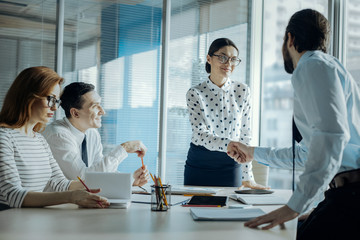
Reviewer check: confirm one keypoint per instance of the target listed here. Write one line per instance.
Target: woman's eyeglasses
(52, 101)
(224, 59)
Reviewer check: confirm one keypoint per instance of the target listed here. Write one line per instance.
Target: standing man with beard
(327, 114)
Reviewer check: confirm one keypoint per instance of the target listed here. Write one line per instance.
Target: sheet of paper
(194, 190)
(225, 214)
(258, 199)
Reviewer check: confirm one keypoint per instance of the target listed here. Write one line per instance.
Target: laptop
(115, 186)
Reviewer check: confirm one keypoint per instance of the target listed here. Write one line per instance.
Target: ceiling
(36, 19)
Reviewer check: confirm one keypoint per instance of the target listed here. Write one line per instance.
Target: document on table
(180, 190)
(194, 190)
(225, 214)
(258, 199)
(174, 200)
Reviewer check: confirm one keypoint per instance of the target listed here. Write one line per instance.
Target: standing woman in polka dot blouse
(219, 111)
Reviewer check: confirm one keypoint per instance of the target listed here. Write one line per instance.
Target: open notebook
(115, 186)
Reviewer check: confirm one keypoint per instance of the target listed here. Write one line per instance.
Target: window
(27, 38)
(116, 47)
(194, 25)
(277, 91)
(272, 124)
(113, 45)
(352, 47)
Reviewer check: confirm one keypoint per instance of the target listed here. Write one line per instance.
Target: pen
(143, 189)
(180, 203)
(87, 189)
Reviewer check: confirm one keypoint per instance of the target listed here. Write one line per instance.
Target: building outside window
(194, 25)
(352, 46)
(277, 92)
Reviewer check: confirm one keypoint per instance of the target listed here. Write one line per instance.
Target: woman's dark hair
(72, 96)
(216, 45)
(310, 29)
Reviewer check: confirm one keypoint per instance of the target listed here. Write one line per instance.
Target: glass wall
(277, 92)
(352, 46)
(27, 38)
(194, 25)
(115, 45)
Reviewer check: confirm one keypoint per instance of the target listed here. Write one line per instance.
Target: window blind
(27, 38)
(115, 45)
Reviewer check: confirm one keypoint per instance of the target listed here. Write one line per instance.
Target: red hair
(29, 85)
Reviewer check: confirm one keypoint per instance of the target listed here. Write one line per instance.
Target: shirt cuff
(247, 173)
(23, 194)
(260, 155)
(297, 202)
(225, 144)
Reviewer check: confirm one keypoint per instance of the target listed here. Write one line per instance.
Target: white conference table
(138, 222)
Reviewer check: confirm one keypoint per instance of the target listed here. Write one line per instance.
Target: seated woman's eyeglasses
(52, 101)
(224, 59)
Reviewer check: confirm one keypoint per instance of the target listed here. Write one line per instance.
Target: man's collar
(79, 136)
(304, 57)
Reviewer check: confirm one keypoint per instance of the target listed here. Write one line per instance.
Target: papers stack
(219, 214)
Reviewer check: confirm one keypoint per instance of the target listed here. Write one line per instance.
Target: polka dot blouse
(219, 116)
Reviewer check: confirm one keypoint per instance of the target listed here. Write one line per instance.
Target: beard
(288, 64)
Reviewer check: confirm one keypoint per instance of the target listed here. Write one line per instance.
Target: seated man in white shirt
(76, 143)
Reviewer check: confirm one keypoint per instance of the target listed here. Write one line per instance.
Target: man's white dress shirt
(327, 114)
(65, 142)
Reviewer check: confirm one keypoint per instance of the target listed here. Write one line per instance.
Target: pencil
(142, 162)
(87, 189)
(163, 192)
(153, 178)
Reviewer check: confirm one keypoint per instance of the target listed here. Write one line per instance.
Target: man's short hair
(310, 29)
(72, 96)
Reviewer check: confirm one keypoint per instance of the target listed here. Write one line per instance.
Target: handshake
(240, 152)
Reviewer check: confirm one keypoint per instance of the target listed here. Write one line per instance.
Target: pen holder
(160, 197)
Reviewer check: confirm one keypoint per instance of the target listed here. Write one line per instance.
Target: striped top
(26, 164)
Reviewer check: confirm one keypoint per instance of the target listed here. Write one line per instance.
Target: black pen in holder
(160, 197)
